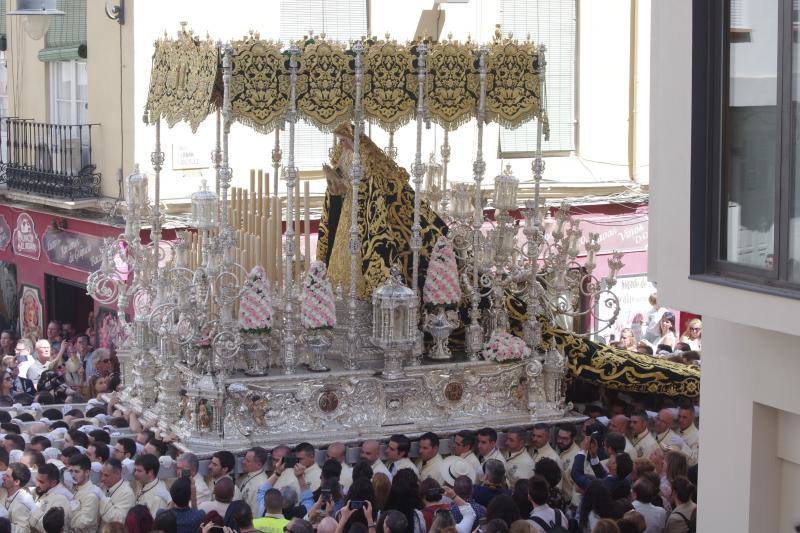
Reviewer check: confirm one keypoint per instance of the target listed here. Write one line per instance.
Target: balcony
(49, 160)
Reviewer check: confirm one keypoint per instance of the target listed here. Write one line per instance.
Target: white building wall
(750, 407)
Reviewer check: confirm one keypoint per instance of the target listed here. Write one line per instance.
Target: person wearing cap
(643, 441)
(119, 497)
(14, 498)
(519, 464)
(87, 494)
(48, 496)
(429, 462)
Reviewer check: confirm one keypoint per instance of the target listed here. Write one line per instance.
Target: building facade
(724, 242)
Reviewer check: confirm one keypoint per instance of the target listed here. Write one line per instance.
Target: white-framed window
(553, 23)
(3, 106)
(339, 20)
(69, 92)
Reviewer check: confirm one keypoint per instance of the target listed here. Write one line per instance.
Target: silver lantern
(505, 190)
(395, 321)
(136, 195)
(204, 208)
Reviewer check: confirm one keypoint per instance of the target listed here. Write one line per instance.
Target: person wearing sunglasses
(691, 334)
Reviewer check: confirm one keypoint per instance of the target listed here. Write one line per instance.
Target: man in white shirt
(253, 465)
(371, 453)
(49, 493)
(487, 447)
(642, 440)
(337, 451)
(15, 500)
(189, 462)
(621, 424)
(464, 447)
(519, 464)
(397, 452)
(543, 517)
(41, 361)
(153, 493)
(689, 432)
(221, 466)
(429, 462)
(540, 440)
(306, 456)
(666, 437)
(565, 442)
(88, 495)
(223, 496)
(119, 497)
(655, 517)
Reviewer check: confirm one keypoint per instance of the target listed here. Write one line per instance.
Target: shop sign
(72, 249)
(25, 241)
(5, 233)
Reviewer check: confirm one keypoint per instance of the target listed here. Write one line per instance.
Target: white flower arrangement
(441, 282)
(255, 307)
(318, 309)
(503, 347)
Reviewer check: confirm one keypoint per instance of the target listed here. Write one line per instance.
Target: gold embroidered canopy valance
(186, 70)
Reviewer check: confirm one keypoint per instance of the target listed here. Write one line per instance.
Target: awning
(66, 38)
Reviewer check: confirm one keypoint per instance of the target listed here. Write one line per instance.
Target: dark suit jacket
(23, 385)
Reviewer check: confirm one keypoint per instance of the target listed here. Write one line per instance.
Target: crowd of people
(90, 468)
(63, 366)
(655, 333)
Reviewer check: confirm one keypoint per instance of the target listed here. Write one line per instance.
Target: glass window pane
(64, 80)
(82, 84)
(751, 134)
(794, 208)
(64, 113)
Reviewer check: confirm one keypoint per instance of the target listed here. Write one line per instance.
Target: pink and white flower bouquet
(441, 282)
(503, 347)
(318, 309)
(255, 307)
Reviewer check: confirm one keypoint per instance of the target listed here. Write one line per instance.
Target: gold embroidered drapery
(390, 84)
(513, 88)
(183, 76)
(325, 85)
(452, 86)
(259, 83)
(186, 74)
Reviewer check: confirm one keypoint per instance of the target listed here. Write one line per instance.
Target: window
(552, 22)
(339, 20)
(745, 202)
(69, 95)
(3, 106)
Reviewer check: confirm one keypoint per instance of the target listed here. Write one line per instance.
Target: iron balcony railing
(49, 159)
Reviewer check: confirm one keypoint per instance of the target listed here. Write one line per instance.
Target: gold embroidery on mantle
(513, 89)
(325, 84)
(452, 86)
(390, 85)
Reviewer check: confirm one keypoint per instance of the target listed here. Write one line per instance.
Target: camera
(325, 494)
(289, 461)
(356, 504)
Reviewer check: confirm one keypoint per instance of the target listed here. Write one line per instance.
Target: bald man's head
(619, 424)
(664, 421)
(370, 451)
(223, 490)
(336, 451)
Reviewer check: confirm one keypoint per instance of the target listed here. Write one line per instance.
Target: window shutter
(3, 30)
(339, 20)
(738, 15)
(553, 23)
(66, 38)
